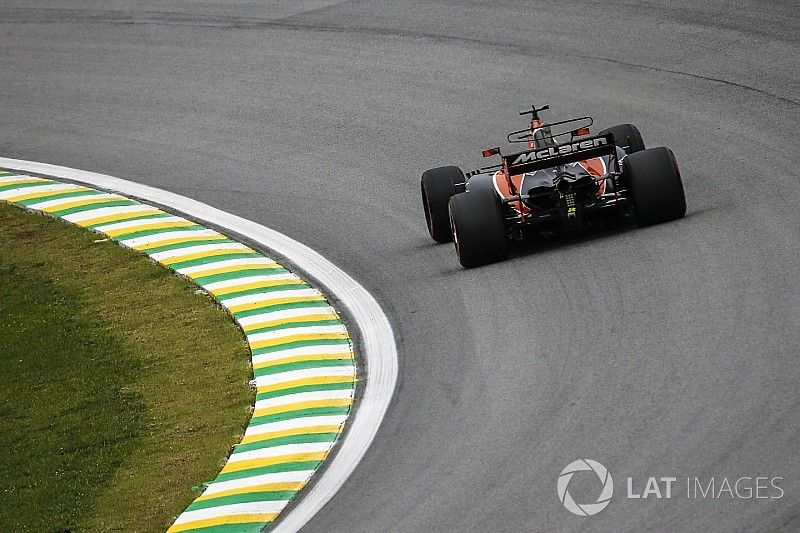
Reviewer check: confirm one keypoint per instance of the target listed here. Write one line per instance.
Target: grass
(121, 388)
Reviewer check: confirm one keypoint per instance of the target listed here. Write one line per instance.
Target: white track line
(275, 506)
(302, 350)
(45, 187)
(80, 216)
(266, 297)
(286, 314)
(377, 347)
(291, 332)
(335, 394)
(295, 423)
(168, 236)
(277, 477)
(246, 280)
(52, 205)
(277, 451)
(306, 373)
(200, 248)
(245, 261)
(143, 222)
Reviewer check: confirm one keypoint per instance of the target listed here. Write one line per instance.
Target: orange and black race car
(561, 181)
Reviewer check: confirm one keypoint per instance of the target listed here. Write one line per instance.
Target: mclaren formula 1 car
(564, 179)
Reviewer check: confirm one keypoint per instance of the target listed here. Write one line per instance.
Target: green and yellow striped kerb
(302, 354)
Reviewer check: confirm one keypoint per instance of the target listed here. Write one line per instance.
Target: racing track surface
(671, 350)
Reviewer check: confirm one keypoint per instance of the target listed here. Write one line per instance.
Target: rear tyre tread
(655, 185)
(478, 225)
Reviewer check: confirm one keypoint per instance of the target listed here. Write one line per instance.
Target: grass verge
(120, 386)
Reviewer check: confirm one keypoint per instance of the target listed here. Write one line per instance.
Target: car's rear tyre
(438, 185)
(627, 137)
(655, 186)
(477, 223)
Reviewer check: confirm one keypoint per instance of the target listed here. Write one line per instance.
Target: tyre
(477, 223)
(655, 186)
(626, 136)
(481, 181)
(438, 185)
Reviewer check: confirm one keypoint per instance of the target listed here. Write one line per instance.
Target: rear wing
(571, 152)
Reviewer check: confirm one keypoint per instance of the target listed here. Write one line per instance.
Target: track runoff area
(302, 354)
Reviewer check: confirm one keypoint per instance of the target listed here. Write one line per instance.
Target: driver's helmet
(542, 138)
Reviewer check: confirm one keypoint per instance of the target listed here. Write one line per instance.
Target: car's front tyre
(438, 185)
(627, 137)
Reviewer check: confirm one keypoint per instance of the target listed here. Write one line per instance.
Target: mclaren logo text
(554, 151)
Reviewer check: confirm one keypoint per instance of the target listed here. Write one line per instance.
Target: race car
(565, 179)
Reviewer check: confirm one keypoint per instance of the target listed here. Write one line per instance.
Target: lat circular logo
(585, 509)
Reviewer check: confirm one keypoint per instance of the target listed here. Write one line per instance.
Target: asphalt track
(666, 351)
